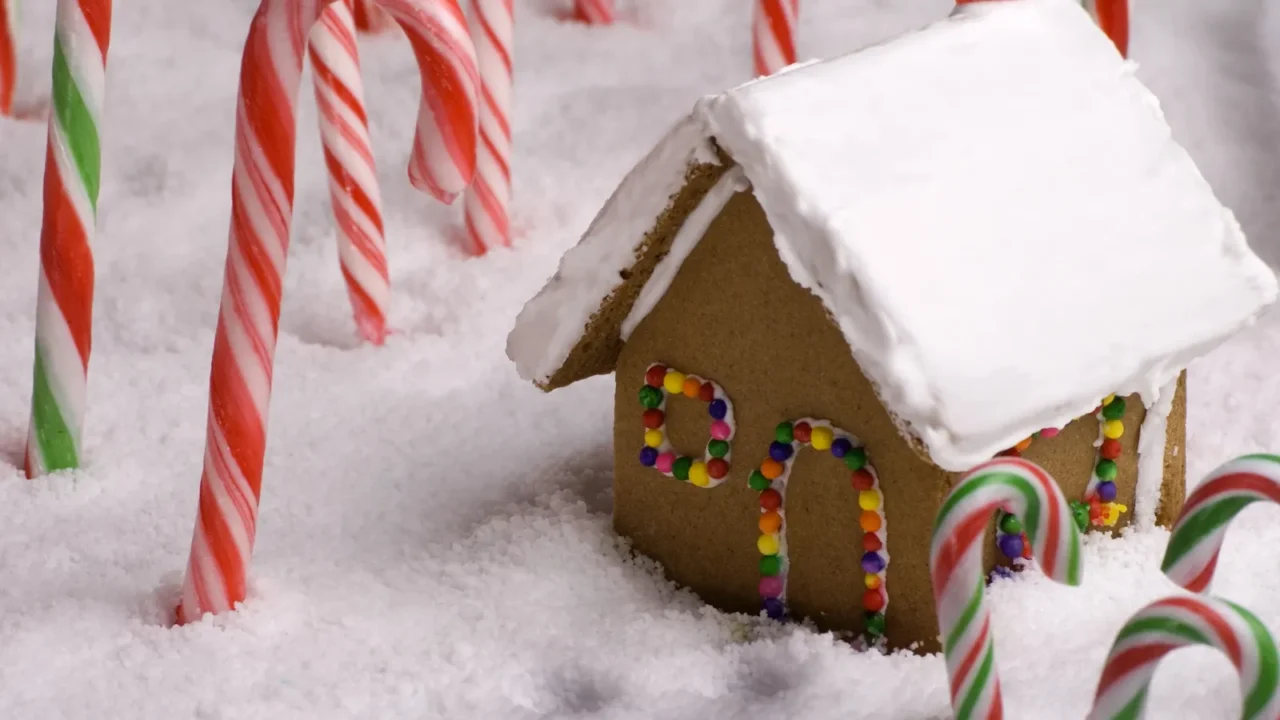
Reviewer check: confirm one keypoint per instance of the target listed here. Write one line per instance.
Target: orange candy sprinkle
(1022, 446)
(872, 582)
(691, 387)
(770, 522)
(771, 469)
(870, 521)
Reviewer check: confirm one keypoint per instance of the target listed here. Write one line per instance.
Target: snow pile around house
(434, 537)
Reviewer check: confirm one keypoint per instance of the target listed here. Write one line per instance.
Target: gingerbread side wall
(733, 315)
(1173, 491)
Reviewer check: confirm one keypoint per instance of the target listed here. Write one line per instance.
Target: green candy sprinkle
(718, 448)
(770, 565)
(784, 433)
(1080, 513)
(855, 459)
(875, 624)
(758, 481)
(1115, 410)
(1010, 525)
(680, 468)
(1106, 470)
(650, 397)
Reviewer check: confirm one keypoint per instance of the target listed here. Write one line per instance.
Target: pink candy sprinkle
(720, 430)
(1049, 432)
(771, 587)
(665, 461)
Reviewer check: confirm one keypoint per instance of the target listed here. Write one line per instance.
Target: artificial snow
(434, 539)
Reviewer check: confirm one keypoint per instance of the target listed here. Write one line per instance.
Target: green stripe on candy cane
(57, 444)
(77, 123)
(1192, 555)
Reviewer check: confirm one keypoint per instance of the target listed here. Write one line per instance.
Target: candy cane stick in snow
(8, 54)
(353, 177)
(593, 12)
(492, 27)
(64, 304)
(773, 34)
(1196, 539)
(443, 162)
(1172, 623)
(1113, 17)
(955, 562)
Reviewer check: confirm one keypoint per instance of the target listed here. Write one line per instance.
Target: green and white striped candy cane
(64, 306)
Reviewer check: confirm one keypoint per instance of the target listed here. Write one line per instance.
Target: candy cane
(1196, 538)
(262, 209)
(369, 18)
(1172, 623)
(773, 34)
(8, 54)
(492, 27)
(955, 563)
(353, 177)
(1113, 17)
(64, 304)
(594, 12)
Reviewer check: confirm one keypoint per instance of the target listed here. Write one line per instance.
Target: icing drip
(770, 480)
(1151, 449)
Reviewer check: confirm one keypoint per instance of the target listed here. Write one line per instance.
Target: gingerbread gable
(992, 210)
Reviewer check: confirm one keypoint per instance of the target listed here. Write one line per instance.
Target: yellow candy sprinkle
(1107, 400)
(869, 500)
(653, 438)
(698, 474)
(674, 381)
(767, 544)
(1113, 429)
(1112, 515)
(820, 438)
(873, 581)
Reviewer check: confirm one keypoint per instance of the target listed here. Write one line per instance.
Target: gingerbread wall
(734, 316)
(1070, 457)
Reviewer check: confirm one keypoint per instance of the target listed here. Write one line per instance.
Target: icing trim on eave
(687, 238)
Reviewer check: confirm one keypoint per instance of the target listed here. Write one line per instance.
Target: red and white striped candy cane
(593, 12)
(371, 19)
(261, 213)
(353, 177)
(773, 34)
(488, 226)
(8, 54)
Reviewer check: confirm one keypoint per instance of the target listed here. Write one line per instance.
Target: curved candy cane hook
(955, 562)
(1177, 622)
(443, 163)
(1196, 539)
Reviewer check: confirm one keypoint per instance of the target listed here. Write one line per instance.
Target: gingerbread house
(828, 293)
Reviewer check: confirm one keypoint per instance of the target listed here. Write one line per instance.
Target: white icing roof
(993, 210)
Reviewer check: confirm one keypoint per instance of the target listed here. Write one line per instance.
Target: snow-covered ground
(434, 534)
